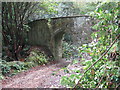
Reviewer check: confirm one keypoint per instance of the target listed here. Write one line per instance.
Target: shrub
(4, 67)
(29, 65)
(37, 57)
(13, 67)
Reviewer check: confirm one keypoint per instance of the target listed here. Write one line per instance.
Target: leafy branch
(101, 79)
(97, 60)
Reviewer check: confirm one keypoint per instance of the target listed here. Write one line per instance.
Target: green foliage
(29, 65)
(37, 57)
(14, 67)
(69, 50)
(48, 7)
(8, 67)
(107, 70)
(15, 27)
(102, 73)
(105, 73)
(15, 17)
(4, 67)
(86, 7)
(75, 61)
(70, 81)
(67, 81)
(1, 76)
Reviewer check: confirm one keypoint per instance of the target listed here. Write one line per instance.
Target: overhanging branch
(98, 60)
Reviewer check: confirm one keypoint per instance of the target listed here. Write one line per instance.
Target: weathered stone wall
(50, 33)
(81, 30)
(39, 33)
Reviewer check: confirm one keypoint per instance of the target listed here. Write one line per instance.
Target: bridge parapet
(50, 33)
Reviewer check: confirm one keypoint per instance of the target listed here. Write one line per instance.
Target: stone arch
(51, 33)
(58, 38)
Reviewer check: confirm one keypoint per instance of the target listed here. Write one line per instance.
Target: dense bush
(4, 67)
(11, 68)
(105, 72)
(37, 57)
(15, 19)
(14, 67)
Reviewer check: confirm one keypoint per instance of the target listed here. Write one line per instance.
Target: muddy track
(38, 77)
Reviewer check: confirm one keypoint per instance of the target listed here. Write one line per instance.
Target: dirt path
(38, 77)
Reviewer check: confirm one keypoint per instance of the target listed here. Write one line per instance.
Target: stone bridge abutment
(50, 33)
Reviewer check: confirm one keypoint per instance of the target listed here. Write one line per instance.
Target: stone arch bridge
(49, 32)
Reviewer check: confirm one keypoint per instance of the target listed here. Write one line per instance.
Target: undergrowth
(13, 67)
(105, 44)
